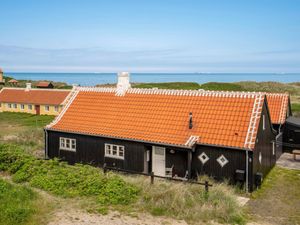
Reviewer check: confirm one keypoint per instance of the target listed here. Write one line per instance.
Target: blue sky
(150, 36)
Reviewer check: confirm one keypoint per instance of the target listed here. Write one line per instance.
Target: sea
(91, 79)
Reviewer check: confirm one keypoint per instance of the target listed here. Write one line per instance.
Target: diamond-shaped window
(222, 160)
(203, 158)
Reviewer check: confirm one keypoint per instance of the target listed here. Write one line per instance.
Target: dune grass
(277, 202)
(169, 85)
(21, 205)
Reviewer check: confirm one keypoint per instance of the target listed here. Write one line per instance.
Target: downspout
(46, 144)
(247, 171)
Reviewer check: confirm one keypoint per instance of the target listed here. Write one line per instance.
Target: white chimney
(28, 86)
(123, 81)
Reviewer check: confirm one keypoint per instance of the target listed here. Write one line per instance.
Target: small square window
(22, 106)
(47, 108)
(9, 106)
(56, 108)
(30, 107)
(15, 106)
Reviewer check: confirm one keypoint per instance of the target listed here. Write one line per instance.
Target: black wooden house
(173, 133)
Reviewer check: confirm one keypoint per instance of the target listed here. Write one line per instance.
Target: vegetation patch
(170, 85)
(128, 193)
(17, 204)
(280, 195)
(26, 119)
(64, 180)
(214, 86)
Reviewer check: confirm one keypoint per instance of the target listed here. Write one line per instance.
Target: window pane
(114, 147)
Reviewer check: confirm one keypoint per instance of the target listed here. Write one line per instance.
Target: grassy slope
(278, 201)
(20, 205)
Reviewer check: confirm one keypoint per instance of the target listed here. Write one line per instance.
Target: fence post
(104, 168)
(206, 186)
(152, 178)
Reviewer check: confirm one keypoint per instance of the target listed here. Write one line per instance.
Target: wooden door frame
(153, 157)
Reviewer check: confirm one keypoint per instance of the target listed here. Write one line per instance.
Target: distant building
(44, 84)
(13, 82)
(33, 100)
(2, 81)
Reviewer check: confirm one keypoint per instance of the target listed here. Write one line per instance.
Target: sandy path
(78, 217)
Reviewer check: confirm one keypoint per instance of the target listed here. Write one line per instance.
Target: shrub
(65, 180)
(16, 203)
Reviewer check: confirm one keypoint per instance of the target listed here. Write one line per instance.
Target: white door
(159, 161)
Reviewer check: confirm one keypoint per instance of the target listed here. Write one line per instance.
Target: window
(264, 122)
(222, 160)
(15, 106)
(22, 106)
(67, 144)
(30, 107)
(56, 108)
(9, 105)
(114, 151)
(203, 158)
(47, 107)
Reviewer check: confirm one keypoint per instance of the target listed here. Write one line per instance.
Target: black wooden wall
(264, 144)
(236, 158)
(90, 150)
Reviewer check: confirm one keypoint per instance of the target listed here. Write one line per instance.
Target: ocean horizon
(91, 79)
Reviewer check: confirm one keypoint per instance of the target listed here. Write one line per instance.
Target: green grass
(296, 109)
(280, 195)
(171, 85)
(25, 119)
(17, 204)
(214, 86)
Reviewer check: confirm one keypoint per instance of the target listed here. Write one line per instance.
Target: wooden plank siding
(90, 150)
(264, 145)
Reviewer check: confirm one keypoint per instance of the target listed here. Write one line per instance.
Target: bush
(65, 180)
(16, 203)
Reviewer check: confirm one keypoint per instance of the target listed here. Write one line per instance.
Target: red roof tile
(162, 116)
(33, 96)
(278, 106)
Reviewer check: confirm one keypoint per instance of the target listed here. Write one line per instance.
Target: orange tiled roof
(278, 105)
(162, 116)
(33, 96)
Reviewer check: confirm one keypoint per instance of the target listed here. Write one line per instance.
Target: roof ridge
(277, 94)
(70, 98)
(36, 89)
(175, 92)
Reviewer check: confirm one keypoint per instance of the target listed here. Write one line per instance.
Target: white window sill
(67, 149)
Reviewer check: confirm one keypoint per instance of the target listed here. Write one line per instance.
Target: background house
(169, 132)
(31, 100)
(44, 84)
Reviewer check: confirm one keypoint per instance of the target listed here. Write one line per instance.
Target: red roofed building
(173, 133)
(44, 84)
(34, 101)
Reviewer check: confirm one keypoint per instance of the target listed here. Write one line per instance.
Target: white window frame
(30, 107)
(264, 122)
(67, 144)
(9, 105)
(15, 106)
(113, 151)
(22, 107)
(56, 109)
(47, 108)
